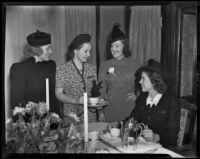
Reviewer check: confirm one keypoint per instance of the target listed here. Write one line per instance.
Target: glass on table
(130, 134)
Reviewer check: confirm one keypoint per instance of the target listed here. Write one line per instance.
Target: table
(100, 126)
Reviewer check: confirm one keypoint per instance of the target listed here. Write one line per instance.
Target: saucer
(99, 104)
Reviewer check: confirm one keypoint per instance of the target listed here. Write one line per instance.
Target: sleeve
(101, 78)
(17, 85)
(95, 73)
(93, 70)
(169, 138)
(135, 112)
(59, 77)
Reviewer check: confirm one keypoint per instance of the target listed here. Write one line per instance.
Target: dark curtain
(170, 49)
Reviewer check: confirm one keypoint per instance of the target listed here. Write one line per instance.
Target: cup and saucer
(96, 102)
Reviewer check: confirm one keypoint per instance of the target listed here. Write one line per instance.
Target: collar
(154, 101)
(37, 59)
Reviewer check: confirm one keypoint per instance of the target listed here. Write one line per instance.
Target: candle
(47, 93)
(85, 117)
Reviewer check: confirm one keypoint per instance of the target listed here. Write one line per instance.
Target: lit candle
(85, 117)
(47, 93)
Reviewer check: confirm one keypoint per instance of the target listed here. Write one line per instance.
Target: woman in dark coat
(28, 77)
(155, 107)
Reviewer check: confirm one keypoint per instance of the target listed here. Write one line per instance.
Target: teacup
(94, 135)
(93, 100)
(114, 132)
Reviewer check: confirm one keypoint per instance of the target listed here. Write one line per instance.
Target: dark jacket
(28, 83)
(163, 119)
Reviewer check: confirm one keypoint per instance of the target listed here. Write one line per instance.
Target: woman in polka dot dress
(75, 76)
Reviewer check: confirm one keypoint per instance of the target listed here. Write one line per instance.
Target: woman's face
(46, 51)
(145, 82)
(117, 49)
(83, 53)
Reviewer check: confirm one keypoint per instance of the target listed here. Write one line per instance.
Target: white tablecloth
(100, 126)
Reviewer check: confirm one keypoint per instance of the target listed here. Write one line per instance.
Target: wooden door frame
(171, 45)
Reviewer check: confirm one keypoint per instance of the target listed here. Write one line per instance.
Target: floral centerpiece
(38, 131)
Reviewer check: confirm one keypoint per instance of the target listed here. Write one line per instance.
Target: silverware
(152, 150)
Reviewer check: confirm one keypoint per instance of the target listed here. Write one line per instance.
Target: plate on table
(101, 103)
(143, 146)
(113, 141)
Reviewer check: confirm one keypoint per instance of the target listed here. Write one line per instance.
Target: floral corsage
(111, 70)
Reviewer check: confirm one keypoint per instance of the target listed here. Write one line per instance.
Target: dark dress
(28, 83)
(163, 119)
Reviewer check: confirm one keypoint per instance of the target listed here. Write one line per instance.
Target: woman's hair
(157, 81)
(126, 50)
(30, 51)
(70, 52)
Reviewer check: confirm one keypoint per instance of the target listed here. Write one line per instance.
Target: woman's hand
(113, 125)
(101, 117)
(131, 97)
(81, 100)
(150, 136)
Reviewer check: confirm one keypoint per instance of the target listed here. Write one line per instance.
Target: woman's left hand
(101, 117)
(150, 136)
(131, 97)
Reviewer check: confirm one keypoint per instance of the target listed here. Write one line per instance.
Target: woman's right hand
(81, 100)
(112, 125)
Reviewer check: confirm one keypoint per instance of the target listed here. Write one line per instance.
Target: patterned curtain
(145, 33)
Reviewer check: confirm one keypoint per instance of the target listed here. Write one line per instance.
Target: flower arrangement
(38, 131)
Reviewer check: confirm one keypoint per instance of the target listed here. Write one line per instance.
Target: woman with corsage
(118, 77)
(155, 107)
(75, 77)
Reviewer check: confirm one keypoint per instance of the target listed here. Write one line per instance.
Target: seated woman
(155, 107)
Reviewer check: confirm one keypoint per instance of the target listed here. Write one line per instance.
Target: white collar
(37, 59)
(154, 101)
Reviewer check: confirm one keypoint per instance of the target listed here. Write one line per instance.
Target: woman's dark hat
(116, 34)
(154, 66)
(78, 40)
(39, 38)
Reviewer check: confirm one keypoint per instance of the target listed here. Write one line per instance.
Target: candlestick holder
(85, 147)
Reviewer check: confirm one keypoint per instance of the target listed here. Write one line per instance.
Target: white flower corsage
(111, 70)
